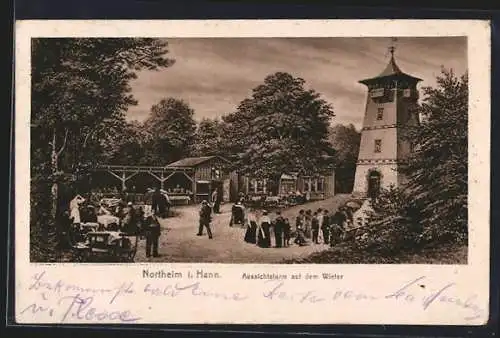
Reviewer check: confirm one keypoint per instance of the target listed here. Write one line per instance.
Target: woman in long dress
(251, 233)
(307, 224)
(264, 235)
(237, 214)
(74, 209)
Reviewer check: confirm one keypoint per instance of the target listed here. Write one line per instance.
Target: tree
(281, 128)
(80, 85)
(432, 206)
(123, 143)
(345, 140)
(438, 168)
(208, 138)
(170, 131)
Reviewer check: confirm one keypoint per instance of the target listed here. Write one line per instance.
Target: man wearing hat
(205, 219)
(152, 231)
(129, 219)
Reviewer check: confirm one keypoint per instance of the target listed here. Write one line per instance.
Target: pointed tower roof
(391, 70)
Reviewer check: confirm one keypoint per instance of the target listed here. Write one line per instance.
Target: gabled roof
(194, 161)
(391, 70)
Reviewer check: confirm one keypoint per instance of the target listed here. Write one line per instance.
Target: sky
(213, 75)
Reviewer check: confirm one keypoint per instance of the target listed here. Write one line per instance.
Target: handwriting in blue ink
(41, 283)
(77, 302)
(193, 289)
(409, 293)
(278, 291)
(80, 308)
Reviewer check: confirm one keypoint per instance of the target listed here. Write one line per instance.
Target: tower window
(378, 146)
(380, 114)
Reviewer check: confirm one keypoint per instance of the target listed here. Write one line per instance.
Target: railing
(135, 168)
(178, 168)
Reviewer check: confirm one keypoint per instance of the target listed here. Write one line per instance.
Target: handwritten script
(56, 300)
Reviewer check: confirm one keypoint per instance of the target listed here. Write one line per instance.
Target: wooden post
(123, 179)
(193, 184)
(162, 181)
(333, 183)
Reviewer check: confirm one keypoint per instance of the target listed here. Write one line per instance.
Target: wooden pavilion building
(205, 174)
(316, 187)
(194, 179)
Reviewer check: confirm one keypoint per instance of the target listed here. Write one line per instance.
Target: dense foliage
(210, 137)
(345, 139)
(80, 91)
(282, 127)
(169, 131)
(438, 168)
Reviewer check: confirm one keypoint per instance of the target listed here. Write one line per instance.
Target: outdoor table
(111, 243)
(89, 226)
(106, 220)
(103, 237)
(183, 198)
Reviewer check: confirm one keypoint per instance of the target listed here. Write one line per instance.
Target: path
(179, 243)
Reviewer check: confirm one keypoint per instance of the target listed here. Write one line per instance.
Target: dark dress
(238, 215)
(264, 235)
(279, 227)
(325, 228)
(251, 233)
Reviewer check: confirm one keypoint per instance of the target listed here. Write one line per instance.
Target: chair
(98, 244)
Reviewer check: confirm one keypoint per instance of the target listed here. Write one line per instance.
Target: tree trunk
(49, 233)
(55, 187)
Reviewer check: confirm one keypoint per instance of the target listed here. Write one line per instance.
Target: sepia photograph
(252, 171)
(276, 150)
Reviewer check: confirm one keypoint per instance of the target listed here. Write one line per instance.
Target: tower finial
(392, 47)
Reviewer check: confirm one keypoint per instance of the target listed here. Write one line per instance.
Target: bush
(394, 226)
(399, 224)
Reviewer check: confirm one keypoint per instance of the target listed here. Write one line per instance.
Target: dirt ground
(179, 243)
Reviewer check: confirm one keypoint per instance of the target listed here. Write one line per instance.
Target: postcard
(252, 172)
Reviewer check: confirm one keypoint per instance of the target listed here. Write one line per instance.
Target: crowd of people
(263, 228)
(113, 215)
(266, 229)
(319, 227)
